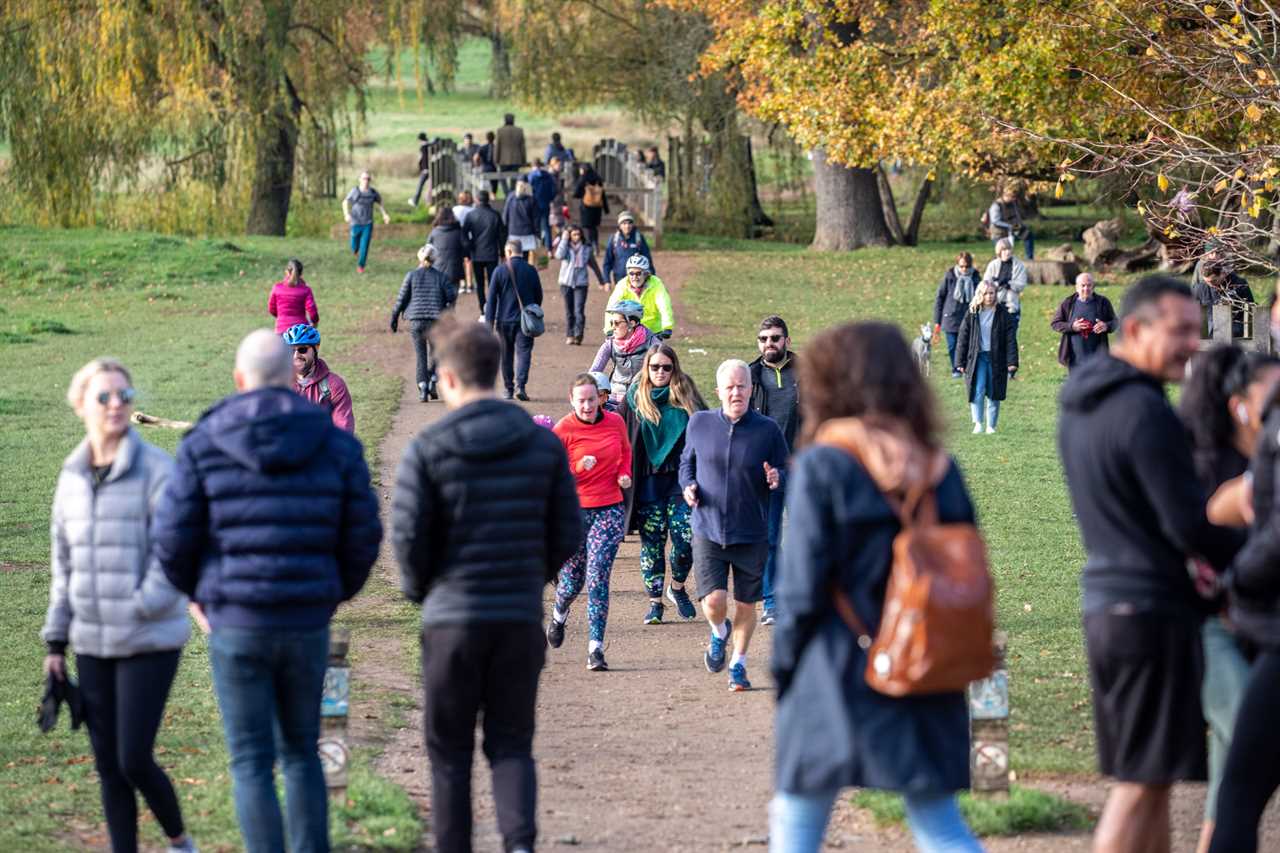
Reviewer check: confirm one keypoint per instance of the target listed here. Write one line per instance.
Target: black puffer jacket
(451, 249)
(484, 515)
(425, 294)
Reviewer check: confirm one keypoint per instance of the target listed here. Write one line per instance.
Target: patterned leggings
(656, 521)
(592, 565)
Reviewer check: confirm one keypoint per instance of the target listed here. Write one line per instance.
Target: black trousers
(490, 671)
(482, 270)
(418, 330)
(575, 310)
(517, 347)
(1252, 773)
(124, 702)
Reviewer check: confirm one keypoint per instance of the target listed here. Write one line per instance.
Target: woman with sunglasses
(657, 409)
(642, 286)
(110, 601)
(626, 347)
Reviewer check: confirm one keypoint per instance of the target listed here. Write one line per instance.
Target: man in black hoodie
(484, 514)
(1141, 511)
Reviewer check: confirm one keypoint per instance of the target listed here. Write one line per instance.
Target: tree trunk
(499, 66)
(912, 236)
(759, 218)
(849, 215)
(275, 155)
(889, 206)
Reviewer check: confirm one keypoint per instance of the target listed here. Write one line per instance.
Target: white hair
(1004, 243)
(263, 361)
(730, 366)
(427, 254)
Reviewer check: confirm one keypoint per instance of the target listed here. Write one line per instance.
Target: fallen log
(143, 419)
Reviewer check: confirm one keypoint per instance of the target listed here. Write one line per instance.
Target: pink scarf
(632, 342)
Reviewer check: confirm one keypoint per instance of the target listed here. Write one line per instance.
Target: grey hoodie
(108, 596)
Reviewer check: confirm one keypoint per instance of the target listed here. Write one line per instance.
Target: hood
(320, 371)
(1099, 377)
(486, 429)
(267, 430)
(448, 226)
(896, 461)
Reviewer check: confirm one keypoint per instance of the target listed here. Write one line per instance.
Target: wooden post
(989, 727)
(335, 757)
(1262, 329)
(1221, 323)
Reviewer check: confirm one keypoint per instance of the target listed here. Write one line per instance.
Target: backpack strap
(324, 390)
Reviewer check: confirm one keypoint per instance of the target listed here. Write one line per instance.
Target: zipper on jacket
(728, 465)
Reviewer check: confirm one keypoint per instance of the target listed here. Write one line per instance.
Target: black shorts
(1146, 670)
(712, 562)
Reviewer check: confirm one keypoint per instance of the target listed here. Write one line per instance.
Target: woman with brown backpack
(593, 202)
(873, 475)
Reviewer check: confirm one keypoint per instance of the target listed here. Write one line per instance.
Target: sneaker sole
(604, 667)
(653, 621)
(739, 688)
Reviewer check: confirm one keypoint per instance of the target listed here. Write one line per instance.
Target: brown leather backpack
(939, 610)
(593, 195)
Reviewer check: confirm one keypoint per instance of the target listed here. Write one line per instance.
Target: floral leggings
(592, 565)
(656, 520)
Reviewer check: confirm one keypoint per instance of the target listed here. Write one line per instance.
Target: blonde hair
(80, 381)
(976, 305)
(524, 188)
(683, 395)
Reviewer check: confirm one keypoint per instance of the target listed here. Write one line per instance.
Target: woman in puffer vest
(111, 602)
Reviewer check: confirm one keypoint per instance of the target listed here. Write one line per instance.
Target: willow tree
(95, 94)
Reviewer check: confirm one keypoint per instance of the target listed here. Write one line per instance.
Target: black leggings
(1252, 773)
(124, 703)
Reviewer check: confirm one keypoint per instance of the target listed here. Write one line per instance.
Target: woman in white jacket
(1010, 277)
(111, 602)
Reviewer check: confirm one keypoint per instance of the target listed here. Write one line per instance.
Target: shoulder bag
(532, 319)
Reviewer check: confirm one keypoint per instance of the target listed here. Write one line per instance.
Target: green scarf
(661, 437)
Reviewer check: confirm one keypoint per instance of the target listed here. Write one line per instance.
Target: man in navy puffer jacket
(267, 523)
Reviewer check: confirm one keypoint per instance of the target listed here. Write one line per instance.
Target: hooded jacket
(1133, 485)
(108, 596)
(484, 515)
(268, 520)
(328, 391)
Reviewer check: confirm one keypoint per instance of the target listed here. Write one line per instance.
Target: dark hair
(467, 136)
(482, 197)
(773, 321)
(555, 137)
(297, 267)
(1213, 270)
(966, 257)
(865, 369)
(444, 216)
(489, 136)
(583, 379)
(1217, 375)
(422, 136)
(509, 118)
(537, 161)
(1149, 290)
(470, 350)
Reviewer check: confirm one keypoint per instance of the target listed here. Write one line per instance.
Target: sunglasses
(124, 395)
(636, 274)
(662, 368)
(302, 350)
(769, 339)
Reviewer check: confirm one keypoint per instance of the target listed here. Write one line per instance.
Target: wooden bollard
(989, 727)
(335, 758)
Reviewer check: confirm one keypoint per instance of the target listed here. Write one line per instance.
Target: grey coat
(108, 596)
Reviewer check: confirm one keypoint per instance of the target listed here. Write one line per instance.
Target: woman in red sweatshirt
(600, 458)
(291, 302)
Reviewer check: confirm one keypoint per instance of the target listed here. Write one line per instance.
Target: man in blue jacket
(733, 458)
(514, 285)
(267, 523)
(544, 192)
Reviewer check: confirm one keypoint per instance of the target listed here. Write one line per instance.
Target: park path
(655, 754)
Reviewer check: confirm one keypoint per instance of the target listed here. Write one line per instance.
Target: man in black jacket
(775, 393)
(485, 233)
(484, 515)
(515, 284)
(1141, 511)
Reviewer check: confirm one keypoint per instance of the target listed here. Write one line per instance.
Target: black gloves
(57, 691)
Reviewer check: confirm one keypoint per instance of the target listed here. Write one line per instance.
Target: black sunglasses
(664, 368)
(124, 395)
(302, 350)
(769, 339)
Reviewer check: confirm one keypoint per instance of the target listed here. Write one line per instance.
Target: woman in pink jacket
(291, 301)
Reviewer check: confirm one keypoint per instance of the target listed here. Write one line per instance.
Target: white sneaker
(990, 430)
(977, 429)
(480, 319)
(412, 203)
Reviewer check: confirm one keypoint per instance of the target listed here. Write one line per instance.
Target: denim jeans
(981, 388)
(1226, 673)
(361, 236)
(952, 337)
(517, 354)
(575, 309)
(777, 501)
(798, 822)
(268, 683)
(543, 226)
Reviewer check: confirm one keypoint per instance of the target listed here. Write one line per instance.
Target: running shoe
(680, 598)
(769, 617)
(555, 633)
(714, 657)
(738, 678)
(595, 661)
(654, 616)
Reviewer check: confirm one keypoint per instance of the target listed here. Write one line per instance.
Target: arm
(993, 213)
(536, 283)
(312, 311)
(155, 593)
(1010, 343)
(688, 462)
(491, 297)
(595, 267)
(668, 318)
(449, 290)
(346, 209)
(343, 417)
(386, 217)
(361, 532)
(962, 342)
(1018, 280)
(271, 303)
(402, 301)
(564, 517)
(608, 260)
(414, 506)
(624, 459)
(1061, 322)
(57, 620)
(939, 300)
(1107, 314)
(602, 356)
(181, 522)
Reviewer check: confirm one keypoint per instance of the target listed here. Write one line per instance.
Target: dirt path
(656, 753)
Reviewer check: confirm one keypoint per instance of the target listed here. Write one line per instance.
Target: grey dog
(921, 347)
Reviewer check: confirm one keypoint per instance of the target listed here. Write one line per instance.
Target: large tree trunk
(912, 237)
(848, 207)
(276, 153)
(499, 66)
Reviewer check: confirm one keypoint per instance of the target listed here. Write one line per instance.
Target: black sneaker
(595, 661)
(654, 616)
(715, 655)
(684, 604)
(432, 393)
(555, 633)
(522, 396)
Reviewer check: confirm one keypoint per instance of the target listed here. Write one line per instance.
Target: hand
(624, 482)
(56, 665)
(587, 463)
(691, 494)
(937, 329)
(1080, 325)
(386, 219)
(1013, 368)
(202, 621)
(771, 476)
(347, 218)
(959, 369)
(1099, 328)
(395, 325)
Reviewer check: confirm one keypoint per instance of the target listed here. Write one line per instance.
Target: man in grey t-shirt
(357, 210)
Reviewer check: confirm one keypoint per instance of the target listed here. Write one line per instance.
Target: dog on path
(921, 347)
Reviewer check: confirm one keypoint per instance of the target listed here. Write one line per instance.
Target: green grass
(174, 309)
(1024, 810)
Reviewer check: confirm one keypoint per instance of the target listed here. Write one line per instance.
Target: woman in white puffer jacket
(111, 602)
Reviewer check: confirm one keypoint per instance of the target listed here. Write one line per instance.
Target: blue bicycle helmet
(302, 335)
(628, 308)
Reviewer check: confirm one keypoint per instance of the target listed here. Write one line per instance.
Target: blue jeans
(981, 388)
(1226, 673)
(361, 236)
(777, 501)
(952, 337)
(543, 226)
(798, 822)
(268, 683)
